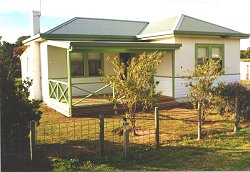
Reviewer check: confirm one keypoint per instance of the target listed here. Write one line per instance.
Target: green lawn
(71, 144)
(223, 152)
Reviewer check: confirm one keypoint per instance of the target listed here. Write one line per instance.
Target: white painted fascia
(60, 44)
(150, 35)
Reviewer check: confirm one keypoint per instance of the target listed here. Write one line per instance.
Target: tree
(201, 89)
(19, 41)
(16, 107)
(245, 53)
(134, 83)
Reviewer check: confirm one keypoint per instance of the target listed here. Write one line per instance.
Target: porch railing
(59, 90)
(95, 93)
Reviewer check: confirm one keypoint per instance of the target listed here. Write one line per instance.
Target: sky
(15, 14)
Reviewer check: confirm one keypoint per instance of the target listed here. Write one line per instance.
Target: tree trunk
(199, 121)
(236, 116)
(133, 120)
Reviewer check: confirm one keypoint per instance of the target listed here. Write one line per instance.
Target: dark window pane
(94, 62)
(77, 66)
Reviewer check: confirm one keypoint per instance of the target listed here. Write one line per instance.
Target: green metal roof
(196, 25)
(185, 25)
(160, 26)
(93, 29)
(94, 26)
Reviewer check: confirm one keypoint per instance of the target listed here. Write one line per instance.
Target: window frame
(209, 51)
(86, 63)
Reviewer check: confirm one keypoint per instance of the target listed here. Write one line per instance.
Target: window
(126, 57)
(94, 62)
(214, 51)
(77, 64)
(27, 65)
(217, 55)
(202, 54)
(86, 64)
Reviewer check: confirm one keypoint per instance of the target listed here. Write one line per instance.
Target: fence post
(32, 139)
(101, 136)
(157, 128)
(199, 121)
(113, 92)
(236, 120)
(125, 137)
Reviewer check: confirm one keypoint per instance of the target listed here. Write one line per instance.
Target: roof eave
(79, 37)
(32, 38)
(213, 34)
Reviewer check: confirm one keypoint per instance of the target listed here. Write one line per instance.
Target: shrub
(66, 165)
(229, 94)
(15, 105)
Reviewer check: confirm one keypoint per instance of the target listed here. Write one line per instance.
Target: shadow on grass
(175, 158)
(203, 155)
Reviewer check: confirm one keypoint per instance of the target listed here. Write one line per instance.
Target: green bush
(89, 166)
(232, 91)
(16, 107)
(64, 165)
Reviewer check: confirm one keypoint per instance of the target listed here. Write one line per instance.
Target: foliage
(201, 89)
(135, 85)
(75, 165)
(19, 41)
(90, 166)
(16, 107)
(245, 53)
(201, 84)
(9, 61)
(11, 54)
(237, 90)
(66, 165)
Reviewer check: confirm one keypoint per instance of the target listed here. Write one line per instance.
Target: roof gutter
(105, 45)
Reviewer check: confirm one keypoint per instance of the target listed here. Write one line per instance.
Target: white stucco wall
(185, 57)
(25, 63)
(164, 86)
(30, 65)
(244, 70)
(57, 59)
(44, 71)
(165, 67)
(181, 89)
(108, 68)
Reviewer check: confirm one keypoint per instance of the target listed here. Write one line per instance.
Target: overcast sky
(15, 14)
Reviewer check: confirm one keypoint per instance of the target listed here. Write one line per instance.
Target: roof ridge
(111, 19)
(210, 23)
(61, 25)
(178, 22)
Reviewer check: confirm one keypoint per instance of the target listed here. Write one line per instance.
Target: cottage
(64, 61)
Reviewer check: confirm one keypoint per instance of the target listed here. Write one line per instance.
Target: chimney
(35, 22)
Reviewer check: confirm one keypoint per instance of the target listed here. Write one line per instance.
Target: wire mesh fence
(82, 137)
